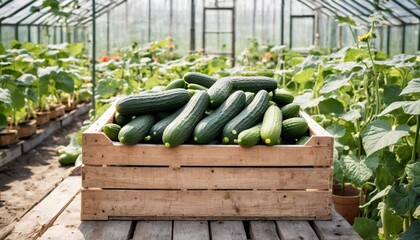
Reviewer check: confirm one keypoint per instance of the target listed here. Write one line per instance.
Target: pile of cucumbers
(244, 110)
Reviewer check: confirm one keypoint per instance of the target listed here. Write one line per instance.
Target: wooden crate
(149, 181)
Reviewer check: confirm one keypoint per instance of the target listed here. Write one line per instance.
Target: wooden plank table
(58, 217)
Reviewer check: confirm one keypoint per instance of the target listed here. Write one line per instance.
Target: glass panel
(7, 35)
(23, 33)
(302, 39)
(411, 39)
(34, 34)
(396, 40)
(23, 13)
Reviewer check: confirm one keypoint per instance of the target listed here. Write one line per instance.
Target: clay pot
(42, 118)
(26, 129)
(347, 204)
(8, 137)
(57, 111)
(69, 106)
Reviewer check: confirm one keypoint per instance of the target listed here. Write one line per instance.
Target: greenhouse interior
(210, 119)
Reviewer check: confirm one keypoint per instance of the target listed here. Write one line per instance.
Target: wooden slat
(206, 155)
(206, 178)
(161, 230)
(338, 228)
(204, 204)
(9, 154)
(36, 221)
(314, 127)
(291, 230)
(40, 136)
(69, 226)
(227, 230)
(191, 230)
(263, 230)
(71, 116)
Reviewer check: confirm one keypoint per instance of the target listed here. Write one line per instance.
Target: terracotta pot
(347, 204)
(69, 106)
(57, 111)
(26, 129)
(42, 118)
(8, 137)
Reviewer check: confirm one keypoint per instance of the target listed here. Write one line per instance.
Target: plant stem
(416, 140)
(376, 76)
(354, 36)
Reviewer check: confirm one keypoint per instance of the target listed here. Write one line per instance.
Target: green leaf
(413, 232)
(26, 79)
(331, 106)
(366, 228)
(413, 175)
(64, 82)
(304, 75)
(18, 99)
(380, 134)
(378, 196)
(401, 199)
(2, 49)
(345, 20)
(391, 94)
(372, 162)
(412, 107)
(106, 88)
(355, 55)
(356, 170)
(416, 213)
(412, 87)
(334, 82)
(3, 120)
(75, 48)
(5, 96)
(351, 116)
(336, 130)
(392, 222)
(347, 66)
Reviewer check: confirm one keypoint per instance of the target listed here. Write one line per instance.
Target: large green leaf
(336, 130)
(331, 106)
(413, 175)
(401, 199)
(351, 116)
(372, 162)
(393, 106)
(5, 96)
(356, 170)
(412, 87)
(334, 82)
(391, 221)
(378, 196)
(304, 75)
(2, 49)
(355, 55)
(75, 48)
(366, 228)
(391, 94)
(380, 134)
(106, 88)
(64, 81)
(413, 232)
(26, 79)
(412, 107)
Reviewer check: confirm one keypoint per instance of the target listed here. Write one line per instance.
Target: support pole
(93, 55)
(192, 33)
(149, 22)
(107, 34)
(403, 39)
(282, 23)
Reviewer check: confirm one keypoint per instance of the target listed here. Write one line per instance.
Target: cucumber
(271, 125)
(248, 97)
(210, 127)
(250, 137)
(290, 110)
(282, 97)
(68, 158)
(250, 116)
(191, 92)
(178, 83)
(253, 84)
(121, 119)
(220, 91)
(303, 140)
(196, 87)
(156, 132)
(200, 79)
(152, 102)
(134, 131)
(180, 129)
(294, 128)
(111, 130)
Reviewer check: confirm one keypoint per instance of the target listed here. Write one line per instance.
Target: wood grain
(338, 228)
(291, 230)
(204, 204)
(227, 230)
(206, 178)
(263, 230)
(158, 230)
(191, 230)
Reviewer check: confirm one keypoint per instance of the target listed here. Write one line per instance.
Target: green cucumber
(68, 158)
(196, 87)
(134, 131)
(250, 116)
(290, 110)
(282, 97)
(111, 130)
(178, 83)
(180, 129)
(152, 102)
(220, 91)
(303, 140)
(294, 128)
(156, 132)
(200, 79)
(210, 127)
(250, 137)
(271, 125)
(121, 119)
(248, 97)
(253, 84)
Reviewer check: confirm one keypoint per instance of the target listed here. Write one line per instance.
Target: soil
(28, 179)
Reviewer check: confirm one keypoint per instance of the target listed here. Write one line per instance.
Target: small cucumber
(134, 131)
(196, 87)
(111, 130)
(250, 137)
(121, 119)
(248, 97)
(178, 83)
(282, 97)
(200, 79)
(294, 128)
(271, 126)
(156, 132)
(290, 110)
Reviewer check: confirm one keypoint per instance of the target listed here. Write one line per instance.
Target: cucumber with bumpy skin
(290, 110)
(178, 83)
(210, 127)
(250, 116)
(220, 91)
(294, 128)
(282, 97)
(253, 84)
(156, 132)
(199, 78)
(134, 131)
(111, 130)
(180, 129)
(248, 97)
(196, 87)
(271, 126)
(250, 137)
(121, 119)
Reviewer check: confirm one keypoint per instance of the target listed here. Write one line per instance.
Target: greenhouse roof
(29, 12)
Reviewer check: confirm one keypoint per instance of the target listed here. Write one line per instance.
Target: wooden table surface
(57, 216)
